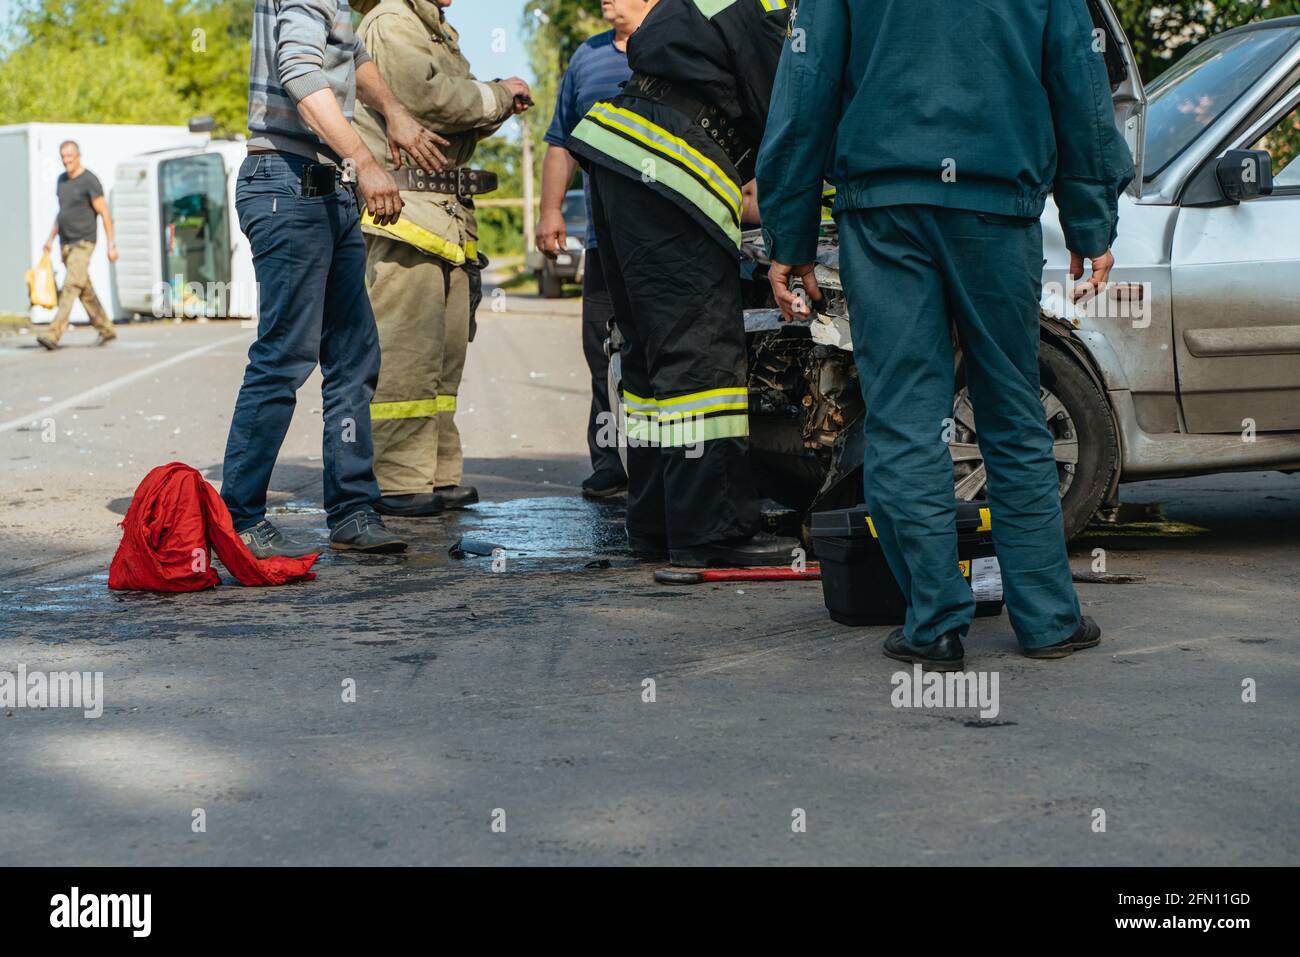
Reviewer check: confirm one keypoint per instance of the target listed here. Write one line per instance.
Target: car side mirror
(1244, 174)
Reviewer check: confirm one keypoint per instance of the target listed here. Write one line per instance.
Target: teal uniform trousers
(911, 273)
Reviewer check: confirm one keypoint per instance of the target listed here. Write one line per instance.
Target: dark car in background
(568, 266)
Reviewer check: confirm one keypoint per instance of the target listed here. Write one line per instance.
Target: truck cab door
(1126, 88)
(1236, 303)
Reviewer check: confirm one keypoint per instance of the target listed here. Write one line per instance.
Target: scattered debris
(464, 547)
(1107, 578)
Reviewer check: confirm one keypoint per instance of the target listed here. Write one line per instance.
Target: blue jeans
(310, 261)
(908, 272)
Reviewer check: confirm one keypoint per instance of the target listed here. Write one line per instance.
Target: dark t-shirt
(596, 72)
(76, 215)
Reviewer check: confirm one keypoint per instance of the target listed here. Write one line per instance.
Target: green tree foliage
(553, 31)
(1162, 32)
(127, 61)
(501, 228)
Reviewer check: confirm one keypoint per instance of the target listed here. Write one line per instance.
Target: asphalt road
(516, 697)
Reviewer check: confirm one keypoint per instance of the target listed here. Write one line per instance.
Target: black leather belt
(457, 182)
(712, 120)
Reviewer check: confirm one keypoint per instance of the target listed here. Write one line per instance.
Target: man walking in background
(418, 267)
(81, 203)
(597, 70)
(943, 127)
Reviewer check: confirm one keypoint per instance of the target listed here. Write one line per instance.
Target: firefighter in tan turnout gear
(423, 270)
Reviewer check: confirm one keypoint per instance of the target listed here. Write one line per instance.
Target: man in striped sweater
(308, 67)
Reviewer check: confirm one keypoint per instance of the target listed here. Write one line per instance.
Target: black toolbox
(859, 588)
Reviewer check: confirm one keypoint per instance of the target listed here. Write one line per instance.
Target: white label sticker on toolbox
(986, 579)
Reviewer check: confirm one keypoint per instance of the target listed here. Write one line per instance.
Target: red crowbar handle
(780, 573)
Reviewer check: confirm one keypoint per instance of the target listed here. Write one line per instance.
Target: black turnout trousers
(677, 302)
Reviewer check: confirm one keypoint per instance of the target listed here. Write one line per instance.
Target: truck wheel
(549, 285)
(1085, 443)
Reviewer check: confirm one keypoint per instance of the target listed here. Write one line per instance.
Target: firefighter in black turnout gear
(667, 160)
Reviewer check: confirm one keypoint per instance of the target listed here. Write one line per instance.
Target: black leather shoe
(364, 531)
(457, 496)
(648, 548)
(419, 505)
(604, 483)
(1087, 635)
(757, 551)
(264, 540)
(943, 654)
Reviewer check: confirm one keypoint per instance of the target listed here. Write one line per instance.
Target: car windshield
(1188, 97)
(575, 207)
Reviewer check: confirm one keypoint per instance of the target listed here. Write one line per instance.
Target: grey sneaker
(105, 339)
(264, 540)
(364, 531)
(48, 343)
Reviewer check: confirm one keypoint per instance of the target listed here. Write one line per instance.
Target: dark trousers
(677, 302)
(908, 272)
(597, 314)
(310, 261)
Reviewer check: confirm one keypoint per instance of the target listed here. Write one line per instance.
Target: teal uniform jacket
(986, 107)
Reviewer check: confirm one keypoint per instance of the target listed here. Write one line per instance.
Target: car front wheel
(1084, 442)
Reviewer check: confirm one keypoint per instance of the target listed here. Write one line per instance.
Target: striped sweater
(299, 47)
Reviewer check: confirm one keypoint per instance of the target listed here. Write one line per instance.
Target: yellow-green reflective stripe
(638, 403)
(678, 180)
(711, 8)
(703, 410)
(688, 431)
(446, 403)
(414, 409)
(683, 401)
(695, 430)
(641, 428)
(658, 138)
(691, 404)
(420, 238)
(773, 5)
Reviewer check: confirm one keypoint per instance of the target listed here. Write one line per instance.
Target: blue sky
(477, 21)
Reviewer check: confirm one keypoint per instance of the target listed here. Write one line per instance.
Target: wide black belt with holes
(711, 119)
(456, 182)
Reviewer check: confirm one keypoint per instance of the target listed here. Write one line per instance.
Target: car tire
(1085, 416)
(1098, 441)
(549, 285)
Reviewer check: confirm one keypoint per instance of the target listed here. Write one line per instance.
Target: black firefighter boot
(756, 551)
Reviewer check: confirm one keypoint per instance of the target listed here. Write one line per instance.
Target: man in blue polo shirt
(597, 70)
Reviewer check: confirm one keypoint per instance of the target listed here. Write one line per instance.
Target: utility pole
(529, 224)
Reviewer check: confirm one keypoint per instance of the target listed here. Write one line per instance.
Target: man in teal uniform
(943, 127)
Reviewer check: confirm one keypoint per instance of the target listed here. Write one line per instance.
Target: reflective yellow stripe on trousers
(688, 419)
(413, 409)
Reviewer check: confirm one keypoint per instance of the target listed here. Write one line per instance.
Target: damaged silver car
(1188, 364)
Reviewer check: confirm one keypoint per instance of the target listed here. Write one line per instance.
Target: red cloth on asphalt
(173, 516)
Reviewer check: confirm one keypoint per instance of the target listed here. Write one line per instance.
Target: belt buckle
(464, 181)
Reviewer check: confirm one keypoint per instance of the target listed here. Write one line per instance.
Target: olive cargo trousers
(421, 306)
(76, 285)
